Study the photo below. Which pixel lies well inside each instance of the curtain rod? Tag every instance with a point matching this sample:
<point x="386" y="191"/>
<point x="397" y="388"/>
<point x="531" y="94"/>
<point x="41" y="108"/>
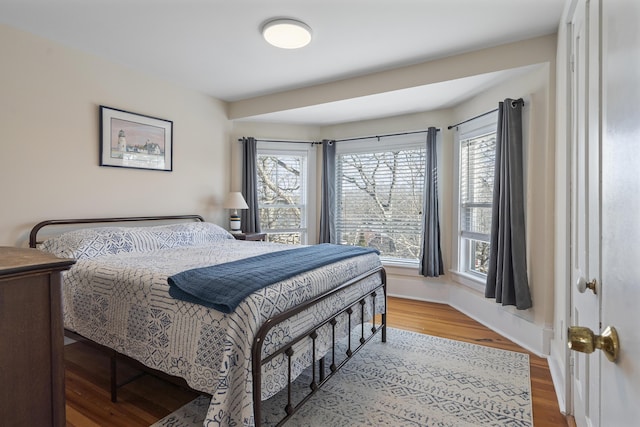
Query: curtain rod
<point x="483" y="114"/>
<point x="285" y="141"/>
<point x="382" y="136"/>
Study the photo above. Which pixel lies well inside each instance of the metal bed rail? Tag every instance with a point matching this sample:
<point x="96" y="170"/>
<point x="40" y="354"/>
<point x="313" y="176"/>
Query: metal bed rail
<point x="311" y="333"/>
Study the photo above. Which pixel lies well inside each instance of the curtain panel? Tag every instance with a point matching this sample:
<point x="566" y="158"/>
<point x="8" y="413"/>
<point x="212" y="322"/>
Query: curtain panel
<point x="507" y="280"/>
<point x="250" y="217"/>
<point x="431" y="264"/>
<point x="328" y="196"/>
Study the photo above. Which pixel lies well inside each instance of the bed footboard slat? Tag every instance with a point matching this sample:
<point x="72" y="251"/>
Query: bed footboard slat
<point x="258" y="361"/>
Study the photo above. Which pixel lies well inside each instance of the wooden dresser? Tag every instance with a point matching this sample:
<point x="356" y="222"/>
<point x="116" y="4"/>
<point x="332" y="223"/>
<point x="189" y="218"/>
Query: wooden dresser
<point x="31" y="338"/>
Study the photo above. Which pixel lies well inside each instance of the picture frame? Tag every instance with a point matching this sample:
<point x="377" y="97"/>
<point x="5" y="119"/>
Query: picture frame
<point x="137" y="141"/>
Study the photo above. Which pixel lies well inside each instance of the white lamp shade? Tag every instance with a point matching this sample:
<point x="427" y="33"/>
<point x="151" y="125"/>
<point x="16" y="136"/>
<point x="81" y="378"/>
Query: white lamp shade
<point x="234" y="200"/>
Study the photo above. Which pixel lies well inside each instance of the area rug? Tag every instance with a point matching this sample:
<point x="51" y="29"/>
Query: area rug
<point x="411" y="380"/>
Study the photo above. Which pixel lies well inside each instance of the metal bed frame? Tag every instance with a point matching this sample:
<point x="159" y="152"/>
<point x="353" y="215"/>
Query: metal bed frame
<point x="319" y="374"/>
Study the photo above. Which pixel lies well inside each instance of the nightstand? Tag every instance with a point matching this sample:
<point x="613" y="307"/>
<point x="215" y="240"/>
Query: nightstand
<point x="250" y="236"/>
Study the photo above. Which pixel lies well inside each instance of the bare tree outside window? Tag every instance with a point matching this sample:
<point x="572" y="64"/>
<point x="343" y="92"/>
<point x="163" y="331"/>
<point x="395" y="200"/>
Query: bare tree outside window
<point x="281" y="197"/>
<point x="380" y="200"/>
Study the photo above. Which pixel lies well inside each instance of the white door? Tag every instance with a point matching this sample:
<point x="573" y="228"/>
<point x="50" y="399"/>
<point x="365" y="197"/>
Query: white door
<point x="585" y="199"/>
<point x="620" y="381"/>
<point x="606" y="209"/>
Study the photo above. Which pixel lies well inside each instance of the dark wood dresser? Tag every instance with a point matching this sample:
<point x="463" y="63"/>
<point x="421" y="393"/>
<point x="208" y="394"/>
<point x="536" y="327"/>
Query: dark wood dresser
<point x="31" y="338"/>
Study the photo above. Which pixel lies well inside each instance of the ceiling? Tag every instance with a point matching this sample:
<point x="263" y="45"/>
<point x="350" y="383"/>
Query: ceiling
<point x="215" y="46"/>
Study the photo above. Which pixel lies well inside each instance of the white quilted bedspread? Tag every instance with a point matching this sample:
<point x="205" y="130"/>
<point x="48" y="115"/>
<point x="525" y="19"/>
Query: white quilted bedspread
<point x="122" y="301"/>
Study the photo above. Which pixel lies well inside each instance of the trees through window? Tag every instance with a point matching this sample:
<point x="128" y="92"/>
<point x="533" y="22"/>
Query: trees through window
<point x="283" y="192"/>
<point x="380" y="188"/>
<point x="476" y="153"/>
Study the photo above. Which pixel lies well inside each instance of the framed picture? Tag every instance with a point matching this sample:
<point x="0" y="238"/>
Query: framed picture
<point x="130" y="140"/>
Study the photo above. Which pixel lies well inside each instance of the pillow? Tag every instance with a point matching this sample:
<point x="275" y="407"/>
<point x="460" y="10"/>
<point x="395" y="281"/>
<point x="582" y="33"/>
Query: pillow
<point x="93" y="242"/>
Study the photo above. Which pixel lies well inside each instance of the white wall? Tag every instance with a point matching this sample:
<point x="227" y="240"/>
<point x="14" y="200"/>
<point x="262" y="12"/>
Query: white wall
<point x="271" y="131"/>
<point x="50" y="139"/>
<point x="530" y="328"/>
<point x="49" y="166"/>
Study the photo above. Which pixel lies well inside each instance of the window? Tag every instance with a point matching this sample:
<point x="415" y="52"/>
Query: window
<point x="476" y="152"/>
<point x="283" y="191"/>
<point x="379" y="190"/>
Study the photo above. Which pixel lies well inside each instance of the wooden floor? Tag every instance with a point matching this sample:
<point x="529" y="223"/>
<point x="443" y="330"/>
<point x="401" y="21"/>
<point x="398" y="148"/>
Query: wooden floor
<point x="149" y="399"/>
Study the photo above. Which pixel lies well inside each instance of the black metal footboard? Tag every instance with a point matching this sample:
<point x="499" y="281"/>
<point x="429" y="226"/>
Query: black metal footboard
<point x="318" y="376"/>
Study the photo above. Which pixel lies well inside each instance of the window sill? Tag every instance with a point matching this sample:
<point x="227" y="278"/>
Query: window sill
<point x="469" y="280"/>
<point x="406" y="268"/>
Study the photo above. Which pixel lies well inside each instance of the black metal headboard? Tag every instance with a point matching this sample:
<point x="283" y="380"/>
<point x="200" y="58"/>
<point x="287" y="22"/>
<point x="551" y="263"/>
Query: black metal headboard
<point x="33" y="241"/>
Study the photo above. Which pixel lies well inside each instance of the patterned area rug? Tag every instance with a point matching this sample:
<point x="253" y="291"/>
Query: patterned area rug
<point x="412" y="380"/>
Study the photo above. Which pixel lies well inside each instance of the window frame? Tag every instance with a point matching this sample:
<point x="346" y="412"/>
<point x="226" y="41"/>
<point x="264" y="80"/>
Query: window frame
<point x="462" y="240"/>
<point x="369" y="145"/>
<point x="309" y="233"/>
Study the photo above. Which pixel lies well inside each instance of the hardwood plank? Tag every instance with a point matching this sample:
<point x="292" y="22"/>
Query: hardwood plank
<point x="148" y="399"/>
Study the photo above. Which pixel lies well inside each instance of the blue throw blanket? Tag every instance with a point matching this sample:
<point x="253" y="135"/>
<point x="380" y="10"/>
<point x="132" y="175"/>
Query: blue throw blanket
<point x="224" y="286"/>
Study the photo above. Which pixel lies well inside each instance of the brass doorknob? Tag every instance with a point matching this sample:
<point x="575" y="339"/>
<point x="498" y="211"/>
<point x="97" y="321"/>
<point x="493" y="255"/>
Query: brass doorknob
<point x="585" y="341"/>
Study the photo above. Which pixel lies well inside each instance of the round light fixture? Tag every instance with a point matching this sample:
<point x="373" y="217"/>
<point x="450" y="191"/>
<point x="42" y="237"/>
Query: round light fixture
<point x="287" y="33"/>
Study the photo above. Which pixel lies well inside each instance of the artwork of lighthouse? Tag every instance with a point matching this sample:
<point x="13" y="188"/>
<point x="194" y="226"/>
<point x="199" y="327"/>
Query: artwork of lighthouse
<point x="135" y="141"/>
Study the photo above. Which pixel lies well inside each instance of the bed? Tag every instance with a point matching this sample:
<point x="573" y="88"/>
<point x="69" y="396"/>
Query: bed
<point x="127" y="293"/>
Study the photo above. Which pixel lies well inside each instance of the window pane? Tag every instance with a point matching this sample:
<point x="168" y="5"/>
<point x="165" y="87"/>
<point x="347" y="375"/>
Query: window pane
<point x="380" y="200"/>
<point x="280" y="218"/>
<point x="477" y="162"/>
<point x="476" y="219"/>
<point x="279" y="179"/>
<point x="479" y="259"/>
<point x="282" y="196"/>
<point x="294" y="238"/>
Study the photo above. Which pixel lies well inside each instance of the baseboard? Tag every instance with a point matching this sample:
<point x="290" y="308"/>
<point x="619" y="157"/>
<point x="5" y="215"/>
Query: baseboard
<point x="503" y="320"/>
<point x="506" y="321"/>
<point x="559" y="377"/>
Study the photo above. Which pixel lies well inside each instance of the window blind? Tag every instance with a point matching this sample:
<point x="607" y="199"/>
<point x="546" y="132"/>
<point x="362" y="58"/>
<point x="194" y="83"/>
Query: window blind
<point x="380" y="198"/>
<point x="477" y="163"/>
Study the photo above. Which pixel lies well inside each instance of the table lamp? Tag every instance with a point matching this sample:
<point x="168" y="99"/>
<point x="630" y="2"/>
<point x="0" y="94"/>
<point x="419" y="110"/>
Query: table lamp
<point x="235" y="201"/>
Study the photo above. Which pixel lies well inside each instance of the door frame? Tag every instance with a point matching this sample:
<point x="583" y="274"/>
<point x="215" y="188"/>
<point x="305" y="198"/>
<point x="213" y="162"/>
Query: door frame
<point x="592" y="138"/>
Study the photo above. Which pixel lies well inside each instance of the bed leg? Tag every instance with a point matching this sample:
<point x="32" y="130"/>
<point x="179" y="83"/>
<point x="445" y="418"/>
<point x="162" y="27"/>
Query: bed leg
<point x="384" y="327"/>
<point x="114" y="379"/>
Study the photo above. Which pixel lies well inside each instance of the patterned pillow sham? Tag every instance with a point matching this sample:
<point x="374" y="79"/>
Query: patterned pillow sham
<point x="93" y="242"/>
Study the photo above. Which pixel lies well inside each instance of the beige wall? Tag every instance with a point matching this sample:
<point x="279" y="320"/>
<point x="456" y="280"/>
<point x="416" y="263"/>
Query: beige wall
<point x="49" y="162"/>
<point x="50" y="140"/>
<point x="536" y="84"/>
<point x="537" y="88"/>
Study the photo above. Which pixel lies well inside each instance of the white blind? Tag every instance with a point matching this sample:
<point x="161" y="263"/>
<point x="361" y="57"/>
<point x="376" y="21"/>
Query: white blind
<point x="477" y="163"/>
<point x="380" y="197"/>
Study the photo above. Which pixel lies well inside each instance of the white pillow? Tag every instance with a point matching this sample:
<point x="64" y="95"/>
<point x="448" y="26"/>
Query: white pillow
<point x="93" y="242"/>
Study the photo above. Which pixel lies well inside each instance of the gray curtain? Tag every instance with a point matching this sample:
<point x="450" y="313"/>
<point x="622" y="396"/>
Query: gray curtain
<point x="250" y="217"/>
<point x="328" y="197"/>
<point x="431" y="261"/>
<point x="507" y="276"/>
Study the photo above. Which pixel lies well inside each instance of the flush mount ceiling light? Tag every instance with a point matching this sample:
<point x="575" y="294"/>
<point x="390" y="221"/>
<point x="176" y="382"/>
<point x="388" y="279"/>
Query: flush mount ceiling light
<point x="287" y="33"/>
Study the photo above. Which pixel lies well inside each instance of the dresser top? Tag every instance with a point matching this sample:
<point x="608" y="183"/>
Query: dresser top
<point x="18" y="260"/>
